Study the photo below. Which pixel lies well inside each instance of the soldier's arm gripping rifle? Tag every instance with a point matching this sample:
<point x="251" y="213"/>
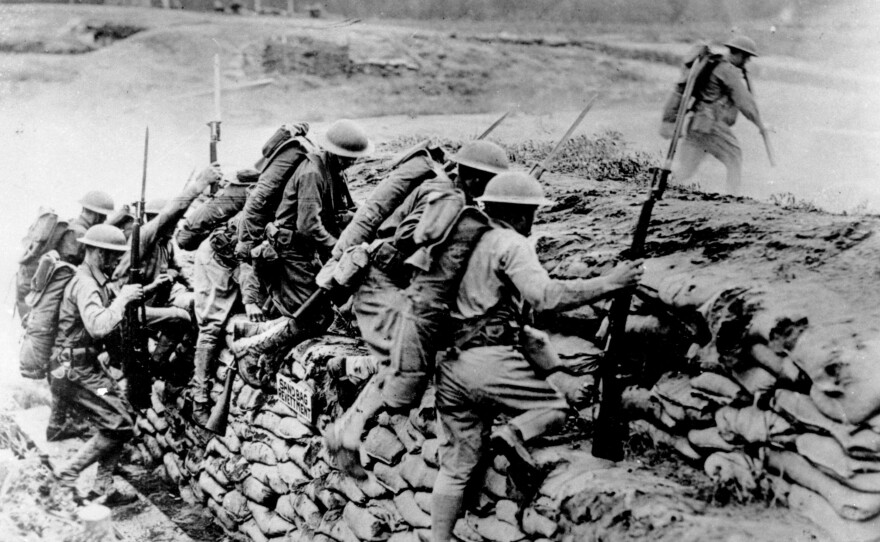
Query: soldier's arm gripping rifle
<point x="135" y="364"/>
<point x="610" y="429"/>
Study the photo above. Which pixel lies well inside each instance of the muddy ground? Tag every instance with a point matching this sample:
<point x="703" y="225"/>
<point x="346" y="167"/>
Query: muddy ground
<point x="78" y="84"/>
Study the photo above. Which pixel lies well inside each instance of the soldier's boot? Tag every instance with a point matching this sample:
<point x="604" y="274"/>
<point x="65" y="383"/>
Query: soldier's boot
<point x="252" y="352"/>
<point x="91" y="451"/>
<point x="343" y="436"/>
<point x="201" y="402"/>
<point x="111" y="493"/>
<point x="445" y="509"/>
<point x="244" y="328"/>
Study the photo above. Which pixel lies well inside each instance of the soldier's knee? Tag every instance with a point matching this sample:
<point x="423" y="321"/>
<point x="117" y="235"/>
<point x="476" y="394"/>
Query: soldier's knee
<point x="403" y="388"/>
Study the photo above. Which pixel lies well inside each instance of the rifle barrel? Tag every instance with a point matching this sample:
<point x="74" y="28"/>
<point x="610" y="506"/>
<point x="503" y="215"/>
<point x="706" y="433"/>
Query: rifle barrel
<point x="538" y="169"/>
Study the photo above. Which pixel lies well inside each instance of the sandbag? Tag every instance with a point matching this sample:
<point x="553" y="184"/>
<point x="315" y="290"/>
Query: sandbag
<point x="848" y="503"/>
<point x="366" y="524"/>
<point x="145" y="426"/>
<point x="389" y="513"/>
<point x="172" y="467"/>
<point x="269" y="522"/>
<point x="718" y="389"/>
<point x="781" y="366"/>
<point x="410" y="510"/>
<point x="226" y="520"/>
<point x="258" y="452"/>
<point x="723" y="467"/>
<point x="231" y="441"/>
<point x="756" y="380"/>
<point x="813" y="506"/>
<point x="345" y="485"/>
<point x="535" y="524"/>
<point x="500" y="485"/>
<point x="236" y="469"/>
<point x="252" y="531"/>
<point x="157" y="421"/>
<point x="417" y="473"/>
<point x="408" y="435"/>
<point x="423" y="499"/>
<point x="293" y="506"/>
<point x="383" y="445"/>
<point x="214" y="467"/>
<point x="216" y="447"/>
<point x="257" y="491"/>
<point x="155" y="450"/>
<point x="390" y="478"/>
<point x="709" y="438"/>
<point x="827" y="452"/>
<point x="330" y="500"/>
<point x="211" y="487"/>
<point x="371" y="487"/>
<point x="495" y="530"/>
<point x="292" y="475"/>
<point x="658" y="436"/>
<point x="297" y="454"/>
<point x="750" y="424"/>
<point x="679" y="401"/>
<point x="236" y="505"/>
<point x="268" y="475"/>
<point x="506" y="510"/>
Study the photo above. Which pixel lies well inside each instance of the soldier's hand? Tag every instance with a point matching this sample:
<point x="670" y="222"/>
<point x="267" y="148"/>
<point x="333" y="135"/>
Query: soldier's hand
<point x="626" y="274"/>
<point x="131" y="292"/>
<point x="254" y="313"/>
<point x="210" y="175"/>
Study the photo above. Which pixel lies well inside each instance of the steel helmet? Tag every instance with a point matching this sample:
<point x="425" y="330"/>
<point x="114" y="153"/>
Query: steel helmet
<point x="482" y="155"/>
<point x="98" y="202"/>
<point x="105" y="236"/>
<point x="744" y="44"/>
<point x="514" y="187"/>
<point x="346" y="138"/>
<point x="155" y="206"/>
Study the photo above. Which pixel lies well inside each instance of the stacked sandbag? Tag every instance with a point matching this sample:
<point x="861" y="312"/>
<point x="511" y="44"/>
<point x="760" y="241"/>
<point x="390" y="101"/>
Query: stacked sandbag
<point x="775" y="391"/>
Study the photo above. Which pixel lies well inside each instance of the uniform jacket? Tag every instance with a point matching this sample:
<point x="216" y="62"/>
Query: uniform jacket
<point x="212" y="214"/>
<point x="726" y="93"/>
<point x="86" y="315"/>
<point x="298" y="194"/>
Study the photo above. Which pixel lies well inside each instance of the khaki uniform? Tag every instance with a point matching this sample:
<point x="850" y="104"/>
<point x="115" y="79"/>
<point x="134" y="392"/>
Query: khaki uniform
<point x="87" y="319"/>
<point x="725" y="94"/>
<point x="294" y="206"/>
<point x="487" y="374"/>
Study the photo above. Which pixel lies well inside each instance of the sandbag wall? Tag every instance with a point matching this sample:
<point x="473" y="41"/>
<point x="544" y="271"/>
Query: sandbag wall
<point x="270" y="478"/>
<point x="775" y="390"/>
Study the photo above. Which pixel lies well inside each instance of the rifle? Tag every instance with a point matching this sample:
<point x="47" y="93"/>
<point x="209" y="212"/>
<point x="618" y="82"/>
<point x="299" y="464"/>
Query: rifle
<point x="539" y="169"/>
<point x="767" y="146"/>
<point x="219" y="418"/>
<point x="610" y="430"/>
<point x="135" y="337"/>
<point x="214" y="125"/>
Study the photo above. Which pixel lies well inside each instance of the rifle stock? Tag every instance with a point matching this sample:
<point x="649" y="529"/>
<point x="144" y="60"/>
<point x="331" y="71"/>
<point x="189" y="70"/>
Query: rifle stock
<point x="611" y="429"/>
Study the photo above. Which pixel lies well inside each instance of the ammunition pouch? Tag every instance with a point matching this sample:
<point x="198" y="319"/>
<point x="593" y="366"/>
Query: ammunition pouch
<point x="388" y="259"/>
<point x="223" y="244"/>
<point x="280" y="238"/>
<point x="264" y="252"/>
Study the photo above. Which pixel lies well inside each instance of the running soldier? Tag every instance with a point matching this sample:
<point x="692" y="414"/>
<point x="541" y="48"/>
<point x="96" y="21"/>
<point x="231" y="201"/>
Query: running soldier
<point x="88" y="324"/>
<point x="486" y="373"/>
<point x="725" y="93"/>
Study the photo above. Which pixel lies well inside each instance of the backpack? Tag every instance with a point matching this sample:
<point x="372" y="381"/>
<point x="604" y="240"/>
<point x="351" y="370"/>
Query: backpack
<point x="42" y="236"/>
<point x="41" y="326"/>
<point x="670" y="110"/>
<point x="285" y="135"/>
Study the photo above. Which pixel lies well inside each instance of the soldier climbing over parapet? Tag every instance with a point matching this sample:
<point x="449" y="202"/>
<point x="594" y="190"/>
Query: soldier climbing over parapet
<point x="219" y="281"/>
<point x="487" y="373"/>
<point x="290" y="223"/>
<point x="721" y="91"/>
<point x="402" y="310"/>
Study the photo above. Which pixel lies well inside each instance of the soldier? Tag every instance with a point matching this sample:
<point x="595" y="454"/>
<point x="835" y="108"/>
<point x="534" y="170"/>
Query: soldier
<point x="290" y="224"/>
<point x="415" y="312"/>
<point x="725" y="92"/>
<point x="87" y="319"/>
<point x="486" y="373"/>
<point x="217" y="277"/>
<point x="96" y="205"/>
<point x="167" y="315"/>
